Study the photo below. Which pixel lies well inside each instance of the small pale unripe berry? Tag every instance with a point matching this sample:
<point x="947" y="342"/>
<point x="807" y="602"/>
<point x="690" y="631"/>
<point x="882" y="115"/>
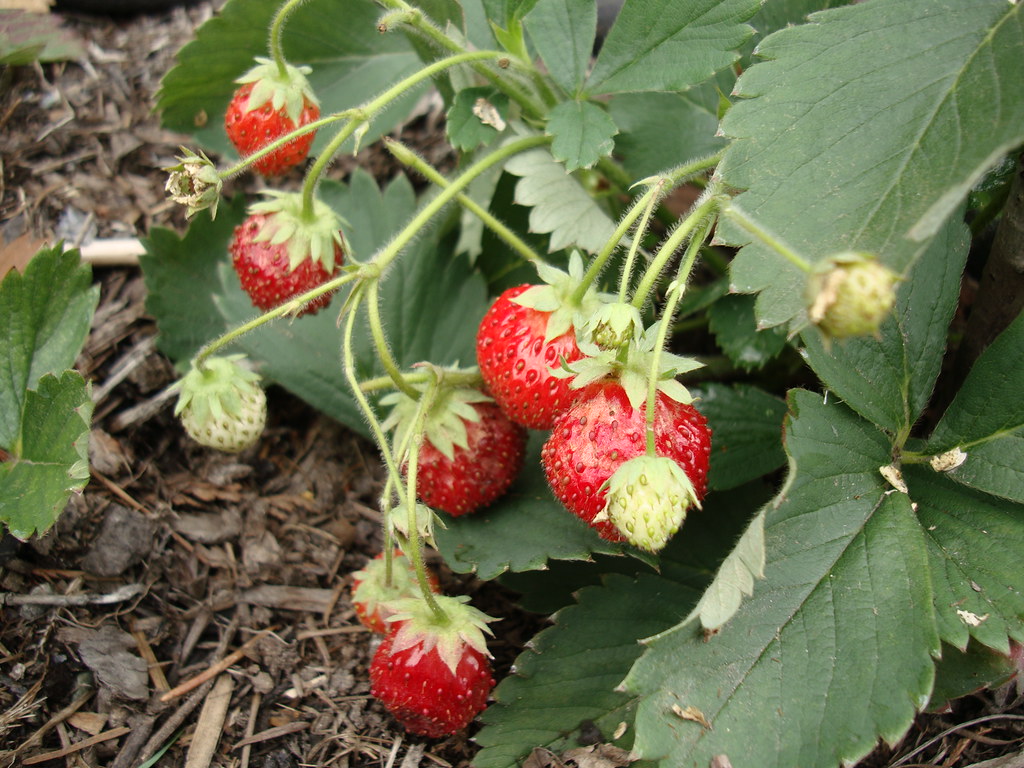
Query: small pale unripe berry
<point x="648" y="498"/>
<point x="613" y="325"/>
<point x="850" y="294"/>
<point x="221" y="405"/>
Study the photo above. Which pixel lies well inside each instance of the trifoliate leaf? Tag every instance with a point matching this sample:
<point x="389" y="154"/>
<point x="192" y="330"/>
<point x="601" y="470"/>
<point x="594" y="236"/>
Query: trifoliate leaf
<point x="834" y="158"/>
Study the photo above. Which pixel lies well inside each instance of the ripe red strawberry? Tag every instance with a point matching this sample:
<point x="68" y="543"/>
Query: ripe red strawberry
<point x="267" y="106"/>
<point x="279" y="254"/>
<point x="373" y="597"/>
<point x="433" y="676"/>
<point x="471" y="452"/>
<point x="516" y="359"/>
<point x="601" y="431"/>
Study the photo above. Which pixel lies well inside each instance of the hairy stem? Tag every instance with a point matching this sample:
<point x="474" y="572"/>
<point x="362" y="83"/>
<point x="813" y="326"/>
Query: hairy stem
<point x="276" y="27"/>
<point x="410" y="159"/>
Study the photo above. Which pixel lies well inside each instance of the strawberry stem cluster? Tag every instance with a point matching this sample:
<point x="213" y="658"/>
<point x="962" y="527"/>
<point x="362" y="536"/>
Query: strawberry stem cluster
<point x="626" y="452"/>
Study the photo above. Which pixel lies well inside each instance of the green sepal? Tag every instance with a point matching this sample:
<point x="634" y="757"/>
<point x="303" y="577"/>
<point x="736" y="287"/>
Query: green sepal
<point x="214" y="389"/>
<point x="460" y="625"/>
<point x="445" y="424"/>
<point x="288" y="90"/>
<point x="313" y="237"/>
<point x="557" y="297"/>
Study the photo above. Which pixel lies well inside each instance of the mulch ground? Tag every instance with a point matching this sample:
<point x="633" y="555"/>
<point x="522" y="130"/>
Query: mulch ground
<point x="198" y="602"/>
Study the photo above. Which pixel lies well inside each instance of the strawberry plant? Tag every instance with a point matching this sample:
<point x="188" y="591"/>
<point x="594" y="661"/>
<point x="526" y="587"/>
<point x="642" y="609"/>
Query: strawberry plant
<point x="45" y="405"/>
<point x="719" y="269"/>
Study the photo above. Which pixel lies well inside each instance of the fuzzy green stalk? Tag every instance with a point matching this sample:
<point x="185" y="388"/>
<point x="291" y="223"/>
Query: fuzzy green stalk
<point x="738" y="216"/>
<point x="668" y="311"/>
<point x="651" y="196"/>
<point x="276" y="27"/>
<point x="384" y="257"/>
<point x="415" y="552"/>
<point x="660" y="185"/>
<point x="348" y="360"/>
<point x="372" y="270"/>
<point x="292" y="305"/>
<point x="412" y="160"/>
<point x="414" y="17"/>
<point x="453" y="378"/>
<point x="275" y="145"/>
<point x="380" y="341"/>
<point x="679" y="236"/>
<point x="362" y="115"/>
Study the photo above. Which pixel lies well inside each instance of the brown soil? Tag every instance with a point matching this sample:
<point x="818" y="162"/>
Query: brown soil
<point x="177" y="559"/>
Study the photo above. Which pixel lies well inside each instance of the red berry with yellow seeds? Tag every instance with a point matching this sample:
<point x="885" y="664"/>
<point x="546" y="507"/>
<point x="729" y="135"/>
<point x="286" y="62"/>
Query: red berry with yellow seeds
<point x="279" y="253"/>
<point x="433" y="675"/>
<point x="470" y="453"/>
<point x="602" y="430"/>
<point x="270" y="103"/>
<point x="524" y="339"/>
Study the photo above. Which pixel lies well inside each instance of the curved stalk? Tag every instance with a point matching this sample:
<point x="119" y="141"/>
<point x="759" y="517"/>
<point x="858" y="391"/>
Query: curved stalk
<point x="362" y="115"/>
<point x="737" y="215"/>
<point x="380" y="342"/>
<point x="411" y="160"/>
<point x="679" y="236"/>
<point x="276" y="27"/>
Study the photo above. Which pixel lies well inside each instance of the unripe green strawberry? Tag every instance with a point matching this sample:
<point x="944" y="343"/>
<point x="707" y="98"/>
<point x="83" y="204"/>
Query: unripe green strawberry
<point x="850" y="294"/>
<point x="648" y="498"/>
<point x="221" y="405"/>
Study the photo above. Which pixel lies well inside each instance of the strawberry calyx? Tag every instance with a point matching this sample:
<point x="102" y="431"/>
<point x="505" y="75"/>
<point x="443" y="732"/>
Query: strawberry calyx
<point x="214" y="388"/>
<point x="449" y="629"/>
<point x="445" y="423"/>
<point x="557" y="297"/>
<point x="195" y="183"/>
<point x="373" y="595"/>
<point x="396" y="520"/>
<point x="284" y="87"/>
<point x="647" y="500"/>
<point x="220" y="403"/>
<point x="632" y="364"/>
<point x="307" y="234"/>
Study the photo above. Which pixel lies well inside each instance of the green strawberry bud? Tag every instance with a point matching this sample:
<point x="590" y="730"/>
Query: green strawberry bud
<point x="221" y="405"/>
<point x="613" y="325"/>
<point x="194" y="183"/>
<point x="648" y="498"/>
<point x="850" y="294"/>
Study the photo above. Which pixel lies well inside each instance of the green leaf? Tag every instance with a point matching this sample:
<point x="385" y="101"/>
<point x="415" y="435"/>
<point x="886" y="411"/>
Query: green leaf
<point x="657" y="45"/>
<point x="521" y="531"/>
<point x="560" y="207"/>
<point x="351" y="63"/>
<point x="53" y="460"/>
<point x="986" y="420"/>
<point x="974" y="543"/>
<point x="989" y="404"/>
<point x="304" y="355"/>
<point x="889" y="380"/>
<point x="583" y="134"/>
<point x="959" y="673"/>
<point x="746" y="432"/>
<point x="44" y="319"/>
<point x="658" y="131"/>
<point x="465" y="124"/>
<point x="779" y="14"/>
<point x="735" y="328"/>
<point x="569" y="675"/>
<point x="563" y="33"/>
<point x="834" y="158"/>
<point x="834" y="649"/>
